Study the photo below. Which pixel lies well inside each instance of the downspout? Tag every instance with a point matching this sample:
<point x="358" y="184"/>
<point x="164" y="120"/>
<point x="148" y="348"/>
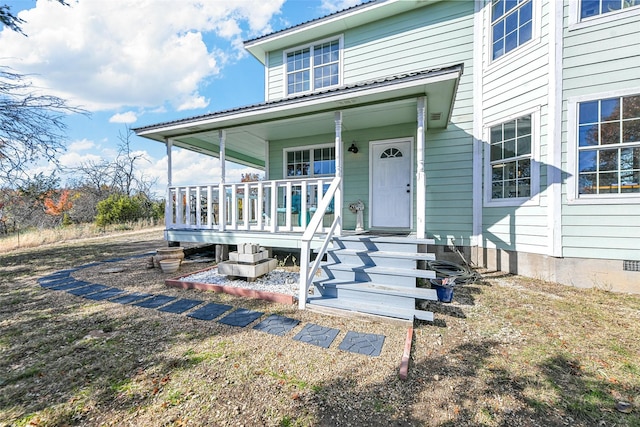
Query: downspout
<point x="339" y="171"/>
<point x="421" y="179"/>
<point x="222" y="208"/>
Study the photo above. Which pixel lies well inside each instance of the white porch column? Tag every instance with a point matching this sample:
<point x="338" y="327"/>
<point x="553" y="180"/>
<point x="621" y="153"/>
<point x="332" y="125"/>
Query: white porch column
<point x="421" y="181"/>
<point x="339" y="171"/>
<point x="222" y="205"/>
<point x="168" y="206"/>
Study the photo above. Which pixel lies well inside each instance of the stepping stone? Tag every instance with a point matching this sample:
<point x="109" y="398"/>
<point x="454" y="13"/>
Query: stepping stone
<point x="241" y="317"/>
<point x="86" y="290"/>
<point x="106" y="294"/>
<point x="209" y="311"/>
<point x="91" y="264"/>
<point x="56" y="282"/>
<point x="317" y="335"/>
<point x="369" y="344"/>
<point x="53" y="277"/>
<point x="277" y="325"/>
<point x="128" y="299"/>
<point x="155" y="302"/>
<point x="69" y="285"/>
<point x="181" y="306"/>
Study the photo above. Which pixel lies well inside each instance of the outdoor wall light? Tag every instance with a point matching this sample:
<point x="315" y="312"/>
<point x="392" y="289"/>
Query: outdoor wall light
<point x="353" y="149"/>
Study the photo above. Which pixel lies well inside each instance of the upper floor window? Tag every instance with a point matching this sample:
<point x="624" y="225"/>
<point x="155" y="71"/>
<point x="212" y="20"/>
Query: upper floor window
<point x="609" y="146"/>
<point x="311" y="162"/>
<point x="511" y="25"/>
<point x="511" y="159"/>
<point x="314" y="67"/>
<point x="598" y="7"/>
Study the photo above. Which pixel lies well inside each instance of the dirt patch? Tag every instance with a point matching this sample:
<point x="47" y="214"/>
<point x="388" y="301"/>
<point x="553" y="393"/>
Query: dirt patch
<point x="507" y="351"/>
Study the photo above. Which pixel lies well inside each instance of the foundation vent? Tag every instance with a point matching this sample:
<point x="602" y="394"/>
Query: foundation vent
<point x="631" y="265"/>
<point x="435" y="116"/>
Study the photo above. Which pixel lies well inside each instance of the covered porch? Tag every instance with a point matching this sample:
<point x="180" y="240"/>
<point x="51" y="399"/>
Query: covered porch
<point x="307" y="208"/>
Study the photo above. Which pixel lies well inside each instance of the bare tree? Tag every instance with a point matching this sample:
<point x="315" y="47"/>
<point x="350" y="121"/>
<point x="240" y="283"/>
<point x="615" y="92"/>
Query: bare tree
<point x="12" y="21"/>
<point x="31" y="126"/>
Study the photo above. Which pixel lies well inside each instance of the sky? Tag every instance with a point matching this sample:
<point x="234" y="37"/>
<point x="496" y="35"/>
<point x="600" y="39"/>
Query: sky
<point x="133" y="63"/>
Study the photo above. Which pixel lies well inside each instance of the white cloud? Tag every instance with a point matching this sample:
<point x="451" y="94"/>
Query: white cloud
<point x="81" y="145"/>
<point x="108" y="54"/>
<point x="335" y="5"/>
<point x="128" y="117"/>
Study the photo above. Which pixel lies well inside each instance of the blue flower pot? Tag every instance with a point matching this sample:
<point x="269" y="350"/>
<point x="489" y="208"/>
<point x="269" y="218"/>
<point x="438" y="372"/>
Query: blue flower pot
<point x="445" y="292"/>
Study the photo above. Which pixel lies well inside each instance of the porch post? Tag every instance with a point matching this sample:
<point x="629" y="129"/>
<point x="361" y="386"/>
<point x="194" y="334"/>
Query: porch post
<point x="421" y="184"/>
<point x="168" y="206"/>
<point x="339" y="171"/>
<point x="222" y="208"/>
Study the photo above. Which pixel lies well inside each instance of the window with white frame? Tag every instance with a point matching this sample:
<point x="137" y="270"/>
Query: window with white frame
<point x="511" y="25"/>
<point x="308" y="162"/>
<point x="511" y="159"/>
<point x="609" y="146"/>
<point x="590" y="8"/>
<point x="314" y="67"/>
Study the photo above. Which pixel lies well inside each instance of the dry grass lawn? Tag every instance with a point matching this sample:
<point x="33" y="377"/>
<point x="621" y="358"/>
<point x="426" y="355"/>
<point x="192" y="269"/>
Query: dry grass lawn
<point x="508" y="351"/>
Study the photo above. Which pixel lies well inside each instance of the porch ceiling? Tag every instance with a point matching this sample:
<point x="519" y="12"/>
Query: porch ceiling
<point x="248" y="129"/>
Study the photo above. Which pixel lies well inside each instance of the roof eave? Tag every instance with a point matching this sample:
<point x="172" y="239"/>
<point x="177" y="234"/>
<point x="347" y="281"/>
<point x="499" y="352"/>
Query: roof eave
<point x="335" y="23"/>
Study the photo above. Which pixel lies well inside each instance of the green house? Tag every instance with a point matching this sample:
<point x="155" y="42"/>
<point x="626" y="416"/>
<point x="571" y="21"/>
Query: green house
<point x="507" y="130"/>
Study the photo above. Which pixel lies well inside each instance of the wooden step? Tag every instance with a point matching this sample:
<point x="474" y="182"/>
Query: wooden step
<point x="377" y="288"/>
<point x="404" y="272"/>
<point x="386" y="239"/>
<point x="418" y="256"/>
<point x="376" y="309"/>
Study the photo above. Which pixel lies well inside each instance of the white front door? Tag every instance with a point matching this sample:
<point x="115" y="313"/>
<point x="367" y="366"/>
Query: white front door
<point x="391" y="183"/>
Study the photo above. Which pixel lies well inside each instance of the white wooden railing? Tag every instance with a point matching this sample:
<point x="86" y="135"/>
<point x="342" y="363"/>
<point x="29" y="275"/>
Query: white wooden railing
<point x="269" y="206"/>
<point x="307" y="274"/>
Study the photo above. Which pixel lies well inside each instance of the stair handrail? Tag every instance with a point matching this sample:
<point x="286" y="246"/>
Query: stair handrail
<point x="306" y="274"/>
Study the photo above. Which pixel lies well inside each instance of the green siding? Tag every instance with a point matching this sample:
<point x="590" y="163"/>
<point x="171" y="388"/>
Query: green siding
<point x="513" y="84"/>
<point x="431" y="37"/>
<point x="599" y="58"/>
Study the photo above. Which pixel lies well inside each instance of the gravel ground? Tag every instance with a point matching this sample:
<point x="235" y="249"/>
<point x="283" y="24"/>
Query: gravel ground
<point x="277" y="281"/>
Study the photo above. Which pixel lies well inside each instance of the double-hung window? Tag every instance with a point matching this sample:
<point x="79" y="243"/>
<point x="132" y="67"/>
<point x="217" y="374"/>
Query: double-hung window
<point x="590" y="8"/>
<point x="609" y="146"/>
<point x="511" y="159"/>
<point x="313" y="68"/>
<point x="511" y="25"/>
<point x="308" y="162"/>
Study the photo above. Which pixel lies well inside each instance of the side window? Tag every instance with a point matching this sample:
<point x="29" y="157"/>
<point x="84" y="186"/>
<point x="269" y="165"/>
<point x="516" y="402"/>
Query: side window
<point x="608" y="157"/>
<point x="511" y="25"/>
<point x="590" y="8"/>
<point x="511" y="159"/>
<point x="309" y="162"/>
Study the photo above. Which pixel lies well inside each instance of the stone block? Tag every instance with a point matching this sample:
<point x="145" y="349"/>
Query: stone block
<point x="248" y="258"/>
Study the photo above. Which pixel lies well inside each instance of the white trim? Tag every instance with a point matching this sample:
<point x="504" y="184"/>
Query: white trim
<point x="534" y="198"/>
<point x="520" y="51"/>
<point x="576" y="24"/>
<point x="411" y="148"/>
<point x="266" y="75"/>
<point x="236" y="119"/>
<point x="554" y="131"/>
<point x="573" y="198"/>
<point x="478" y="101"/>
<point x="285" y="86"/>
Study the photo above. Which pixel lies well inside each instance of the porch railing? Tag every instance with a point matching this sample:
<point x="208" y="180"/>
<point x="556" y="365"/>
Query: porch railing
<point x="307" y="274"/>
<point x="269" y="206"/>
